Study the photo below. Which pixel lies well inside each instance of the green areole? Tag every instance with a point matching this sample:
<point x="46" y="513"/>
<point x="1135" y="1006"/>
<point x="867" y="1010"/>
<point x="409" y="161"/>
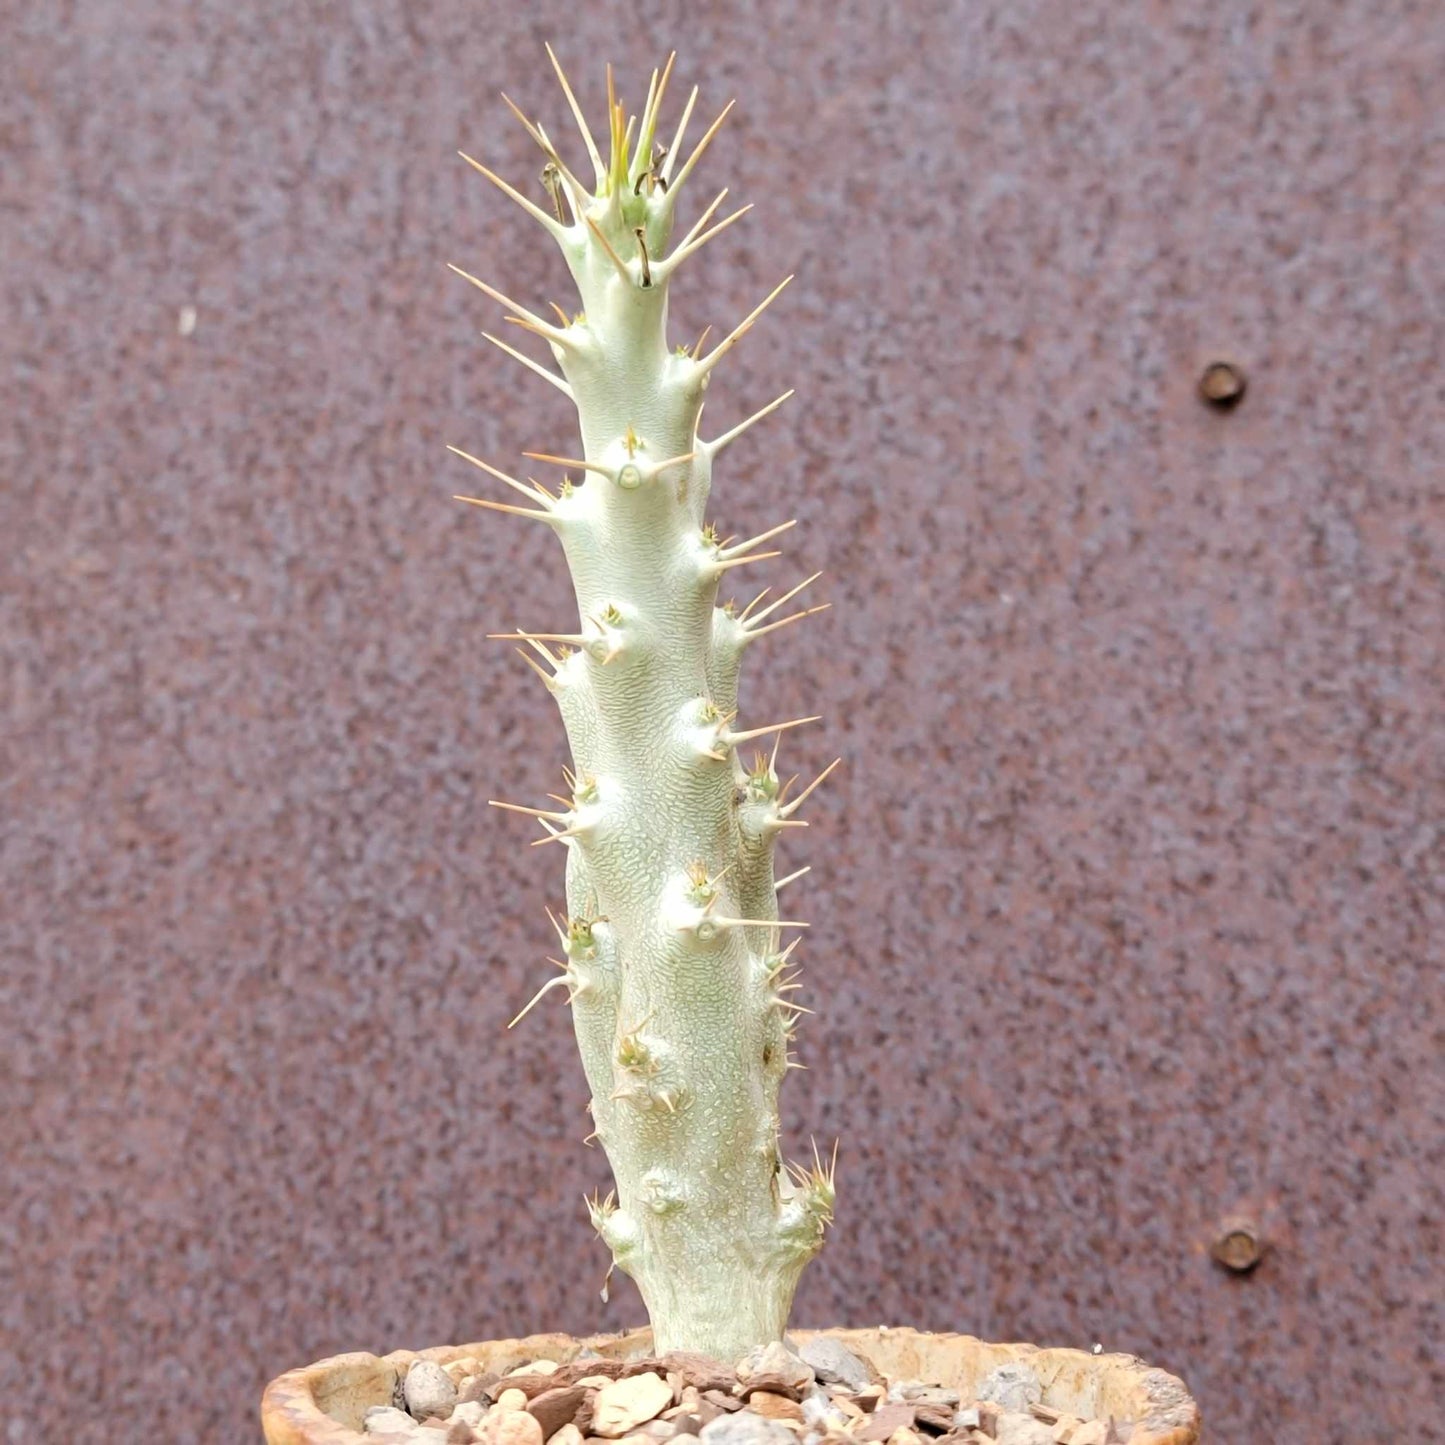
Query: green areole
<point x="673" y="962"/>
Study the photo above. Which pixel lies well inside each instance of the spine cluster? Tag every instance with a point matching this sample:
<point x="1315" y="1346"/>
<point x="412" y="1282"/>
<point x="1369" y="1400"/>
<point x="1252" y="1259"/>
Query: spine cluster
<point x="672" y="953"/>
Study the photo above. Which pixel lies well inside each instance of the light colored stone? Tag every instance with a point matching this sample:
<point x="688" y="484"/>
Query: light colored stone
<point x="387" y="1420"/>
<point x="774" y="1407"/>
<point x="915" y="1392"/>
<point x="470" y="1412"/>
<point x="745" y="1428"/>
<point x="509" y="1427"/>
<point x="535" y="1367"/>
<point x="1015" y="1387"/>
<point x="622" y="1405"/>
<point x="835" y="1362"/>
<point x="968" y="1419"/>
<point x="512" y="1399"/>
<point x="820" y="1412"/>
<point x="1016" y="1428"/>
<point x="595" y="1382"/>
<point x="429" y="1390"/>
<point x="569" y="1434"/>
<point x="778" y="1362"/>
<point x="904" y="1436"/>
<point x="1091" y="1432"/>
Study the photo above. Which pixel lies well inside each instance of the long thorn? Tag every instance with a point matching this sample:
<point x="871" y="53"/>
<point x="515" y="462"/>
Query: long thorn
<point x="683" y="252"/>
<point x="676" y="146"/>
<point x="702" y="145"/>
<point x="612" y="255"/>
<point x="576" y="639"/>
<point x="677" y="461"/>
<point x="651" y="113"/>
<point x="738" y="332"/>
<point x="743" y="615"/>
<point x="731" y="436"/>
<point x="762" y="537"/>
<point x="702" y="220"/>
<point x="787" y="596"/>
<point x="719" y="567"/>
<point x="536" y="999"/>
<point x="783" y="882"/>
<point x="562" y="932"/>
<point x="545" y="327"/>
<point x="792" y="807"/>
<point x="505" y="507"/>
<point x="547" y="680"/>
<point x="772" y="728"/>
<point x="491" y="471"/>
<point x="578" y="116"/>
<point x="577" y="193"/>
<point x="784" y="621"/>
<point x="559" y="382"/>
<point x="530" y="812"/>
<point x="540" y="647"/>
<point x="761" y="923"/>
<point x="568" y="462"/>
<point x="550" y="223"/>
<point x="642" y="128"/>
<point x="548" y="149"/>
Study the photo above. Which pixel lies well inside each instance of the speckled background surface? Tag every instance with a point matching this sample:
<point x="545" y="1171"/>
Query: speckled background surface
<point x="1127" y="905"/>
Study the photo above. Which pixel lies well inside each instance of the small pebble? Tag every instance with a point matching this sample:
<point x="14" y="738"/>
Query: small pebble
<point x="429" y="1390"/>
<point x="1016" y="1428"/>
<point x="835" y="1363"/>
<point x="556" y="1408"/>
<point x="469" y="1412"/>
<point x="967" y="1419"/>
<point x="569" y="1434"/>
<point x="1015" y="1387"/>
<point x="512" y="1400"/>
<point x="1091" y="1432"/>
<point x="386" y="1420"/>
<point x="820" y="1413"/>
<point x="745" y="1428"/>
<point x="775" y="1362"/>
<point x="509" y="1427"/>
<point x="774" y="1407"/>
<point x="625" y="1404"/>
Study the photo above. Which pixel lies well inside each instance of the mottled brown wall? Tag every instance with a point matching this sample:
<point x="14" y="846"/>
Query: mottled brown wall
<point x="1127" y="905"/>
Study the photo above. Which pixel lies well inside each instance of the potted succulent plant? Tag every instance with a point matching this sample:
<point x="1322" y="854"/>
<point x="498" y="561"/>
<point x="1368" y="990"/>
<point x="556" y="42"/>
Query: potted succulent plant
<point x="674" y="959"/>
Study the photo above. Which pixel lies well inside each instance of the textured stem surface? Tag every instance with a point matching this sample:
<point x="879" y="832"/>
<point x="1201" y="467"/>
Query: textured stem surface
<point x="673" y="960"/>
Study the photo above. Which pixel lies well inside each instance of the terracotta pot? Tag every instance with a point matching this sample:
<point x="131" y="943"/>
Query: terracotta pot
<point x="322" y="1404"/>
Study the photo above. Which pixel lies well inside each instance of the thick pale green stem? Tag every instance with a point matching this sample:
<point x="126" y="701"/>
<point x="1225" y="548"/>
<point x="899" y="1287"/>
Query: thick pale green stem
<point x="673" y="956"/>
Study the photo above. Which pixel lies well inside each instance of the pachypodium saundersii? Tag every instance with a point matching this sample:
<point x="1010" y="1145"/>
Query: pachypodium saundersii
<point x="673" y="958"/>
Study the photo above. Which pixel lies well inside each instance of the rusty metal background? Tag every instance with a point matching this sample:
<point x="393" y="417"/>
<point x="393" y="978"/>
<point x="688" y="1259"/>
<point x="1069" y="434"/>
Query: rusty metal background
<point x="1127" y="905"/>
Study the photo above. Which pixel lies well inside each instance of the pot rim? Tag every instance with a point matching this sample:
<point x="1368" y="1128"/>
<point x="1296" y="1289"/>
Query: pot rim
<point x="293" y="1407"/>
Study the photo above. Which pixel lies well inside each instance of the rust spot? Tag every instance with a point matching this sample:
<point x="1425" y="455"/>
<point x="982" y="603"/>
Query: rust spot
<point x="1222" y="385"/>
